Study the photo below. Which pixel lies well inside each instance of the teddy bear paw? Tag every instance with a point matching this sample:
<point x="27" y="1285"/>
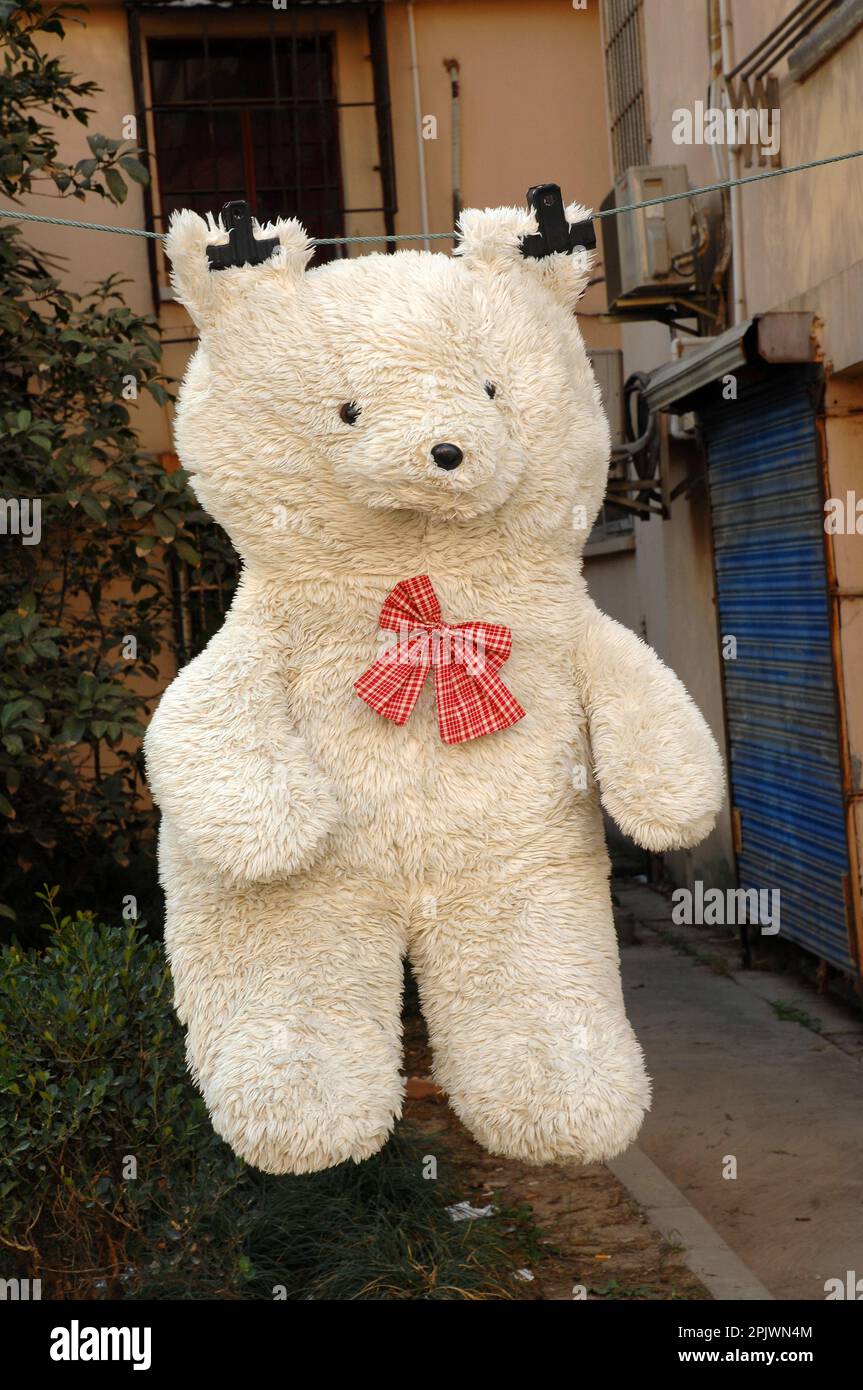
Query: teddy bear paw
<point x="267" y="833"/>
<point x="555" y="1100"/>
<point x="298" y="1106"/>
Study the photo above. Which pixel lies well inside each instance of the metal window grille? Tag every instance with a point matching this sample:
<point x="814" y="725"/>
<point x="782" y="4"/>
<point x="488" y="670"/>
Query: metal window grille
<point x="201" y="596"/>
<point x="607" y="365"/>
<point x="630" y="140"/>
<point x="251" y="118"/>
<point x="255" y="116"/>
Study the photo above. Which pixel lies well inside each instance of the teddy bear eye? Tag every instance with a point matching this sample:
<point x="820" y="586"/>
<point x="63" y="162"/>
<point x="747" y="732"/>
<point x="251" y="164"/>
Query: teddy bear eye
<point x="350" y="412"/>
<point x="490" y="390"/>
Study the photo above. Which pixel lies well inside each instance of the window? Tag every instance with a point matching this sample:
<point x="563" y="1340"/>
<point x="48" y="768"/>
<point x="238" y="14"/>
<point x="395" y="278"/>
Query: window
<point x="630" y="139"/>
<point x="288" y="110"/>
<point x="202" y="596"/>
<point x="252" y="118"/>
<point x="613" y="521"/>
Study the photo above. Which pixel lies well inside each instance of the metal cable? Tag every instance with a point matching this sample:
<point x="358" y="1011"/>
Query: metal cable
<point x="449" y="236"/>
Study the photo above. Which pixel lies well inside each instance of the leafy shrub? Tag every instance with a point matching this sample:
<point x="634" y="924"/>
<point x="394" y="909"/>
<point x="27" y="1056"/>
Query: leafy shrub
<point x="92" y="1074"/>
<point x="113" y="523"/>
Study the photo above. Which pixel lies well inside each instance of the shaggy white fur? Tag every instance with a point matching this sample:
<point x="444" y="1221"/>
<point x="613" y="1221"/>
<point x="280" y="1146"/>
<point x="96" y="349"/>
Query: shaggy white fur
<point x="308" y="843"/>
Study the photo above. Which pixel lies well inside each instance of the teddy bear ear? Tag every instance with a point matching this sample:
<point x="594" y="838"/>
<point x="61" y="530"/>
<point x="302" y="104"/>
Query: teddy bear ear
<point x="204" y="291"/>
<point x="491" y="242"/>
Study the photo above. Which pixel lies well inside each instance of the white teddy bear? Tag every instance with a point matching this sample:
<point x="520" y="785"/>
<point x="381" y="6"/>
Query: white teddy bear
<point x="401" y="442"/>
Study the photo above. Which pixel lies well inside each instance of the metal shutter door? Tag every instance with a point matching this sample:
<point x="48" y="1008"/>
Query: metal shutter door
<point x="783" y="733"/>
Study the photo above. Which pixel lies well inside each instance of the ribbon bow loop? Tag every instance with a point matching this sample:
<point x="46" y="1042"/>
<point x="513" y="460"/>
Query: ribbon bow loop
<point x="412" y="601"/>
<point x="472" y="700"/>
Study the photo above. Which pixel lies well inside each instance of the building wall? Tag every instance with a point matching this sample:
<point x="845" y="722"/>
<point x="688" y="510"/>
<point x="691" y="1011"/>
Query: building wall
<point x="803" y="244"/>
<point x="676" y="609"/>
<point x="804" y="234"/>
<point x="98" y="50"/>
<point x="532" y="110"/>
<point x="844" y="445"/>
<point x="803" y="248"/>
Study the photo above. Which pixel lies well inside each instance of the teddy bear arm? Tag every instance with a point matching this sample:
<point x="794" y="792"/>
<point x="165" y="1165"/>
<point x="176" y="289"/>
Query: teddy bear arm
<point x="658" y="767"/>
<point x="229" y="772"/>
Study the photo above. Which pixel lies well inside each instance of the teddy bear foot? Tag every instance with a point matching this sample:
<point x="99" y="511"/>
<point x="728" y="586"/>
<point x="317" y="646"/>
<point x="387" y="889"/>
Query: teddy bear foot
<point x="305" y="1111"/>
<point x="544" y="1106"/>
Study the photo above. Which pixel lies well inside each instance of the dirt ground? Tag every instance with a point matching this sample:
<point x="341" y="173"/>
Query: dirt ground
<point x="571" y="1228"/>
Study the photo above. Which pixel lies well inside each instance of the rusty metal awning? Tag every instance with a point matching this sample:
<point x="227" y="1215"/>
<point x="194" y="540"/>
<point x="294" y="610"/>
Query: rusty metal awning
<point x="771" y="338"/>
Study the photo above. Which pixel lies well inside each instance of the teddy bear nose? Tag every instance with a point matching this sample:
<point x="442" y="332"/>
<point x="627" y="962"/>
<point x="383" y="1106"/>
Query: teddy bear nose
<point x="447" y="455"/>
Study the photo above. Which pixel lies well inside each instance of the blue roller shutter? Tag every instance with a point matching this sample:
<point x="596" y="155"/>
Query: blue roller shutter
<point x="783" y="733"/>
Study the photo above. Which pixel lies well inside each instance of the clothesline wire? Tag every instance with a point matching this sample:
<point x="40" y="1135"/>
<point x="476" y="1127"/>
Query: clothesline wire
<point x="22" y="216"/>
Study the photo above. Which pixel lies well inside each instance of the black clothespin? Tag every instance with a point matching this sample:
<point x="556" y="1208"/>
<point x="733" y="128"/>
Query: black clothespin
<point x="243" y="247"/>
<point x="555" y="233"/>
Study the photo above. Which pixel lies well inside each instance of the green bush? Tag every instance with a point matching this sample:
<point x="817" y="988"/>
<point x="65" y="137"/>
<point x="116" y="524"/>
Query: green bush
<point x="86" y="611"/>
<point x="92" y="1075"/>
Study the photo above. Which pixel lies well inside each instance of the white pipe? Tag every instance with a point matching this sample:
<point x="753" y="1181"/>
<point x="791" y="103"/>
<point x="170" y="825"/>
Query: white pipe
<point x="737" y="267"/>
<point x="418" y="119"/>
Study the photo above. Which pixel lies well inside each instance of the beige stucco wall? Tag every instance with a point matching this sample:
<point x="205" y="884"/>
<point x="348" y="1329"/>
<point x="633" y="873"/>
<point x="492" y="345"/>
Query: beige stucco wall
<point x="804" y="234"/>
<point x="844" y="429"/>
<point x="532" y="109"/>
<point x="98" y="50"/>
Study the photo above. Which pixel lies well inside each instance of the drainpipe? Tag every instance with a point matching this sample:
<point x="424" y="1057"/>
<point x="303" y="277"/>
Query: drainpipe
<point x="452" y="67"/>
<point x="739" y="280"/>
<point x="721" y="157"/>
<point x="418" y="121"/>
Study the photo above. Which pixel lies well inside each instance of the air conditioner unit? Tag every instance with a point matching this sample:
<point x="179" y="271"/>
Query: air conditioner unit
<point x="650" y="268"/>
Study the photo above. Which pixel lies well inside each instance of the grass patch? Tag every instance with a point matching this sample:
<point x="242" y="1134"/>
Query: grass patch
<point x="372" y="1231"/>
<point x="719" y="964"/>
<point x="791" y="1013"/>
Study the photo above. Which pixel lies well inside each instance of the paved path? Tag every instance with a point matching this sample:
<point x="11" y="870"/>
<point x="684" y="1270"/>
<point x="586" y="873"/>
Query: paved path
<point x="733" y="1080"/>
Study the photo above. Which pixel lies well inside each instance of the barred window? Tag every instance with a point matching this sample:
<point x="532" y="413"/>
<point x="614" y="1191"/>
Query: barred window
<point x="240" y="101"/>
<point x="248" y="118"/>
<point x="630" y="138"/>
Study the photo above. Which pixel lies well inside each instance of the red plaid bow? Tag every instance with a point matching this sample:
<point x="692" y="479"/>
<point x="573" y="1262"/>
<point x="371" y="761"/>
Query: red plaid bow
<point x="472" y="700"/>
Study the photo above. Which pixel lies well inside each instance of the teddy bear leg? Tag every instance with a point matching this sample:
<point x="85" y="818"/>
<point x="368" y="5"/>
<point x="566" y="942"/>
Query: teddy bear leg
<point x="519" y="983"/>
<point x="291" y="993"/>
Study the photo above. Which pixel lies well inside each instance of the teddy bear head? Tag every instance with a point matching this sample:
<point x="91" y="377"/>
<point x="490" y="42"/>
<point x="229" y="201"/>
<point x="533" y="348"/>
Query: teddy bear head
<point x="367" y="404"/>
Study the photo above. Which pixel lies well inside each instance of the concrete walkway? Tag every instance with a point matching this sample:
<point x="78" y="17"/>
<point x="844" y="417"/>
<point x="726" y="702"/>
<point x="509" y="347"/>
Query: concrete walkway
<point x="740" y="1074"/>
